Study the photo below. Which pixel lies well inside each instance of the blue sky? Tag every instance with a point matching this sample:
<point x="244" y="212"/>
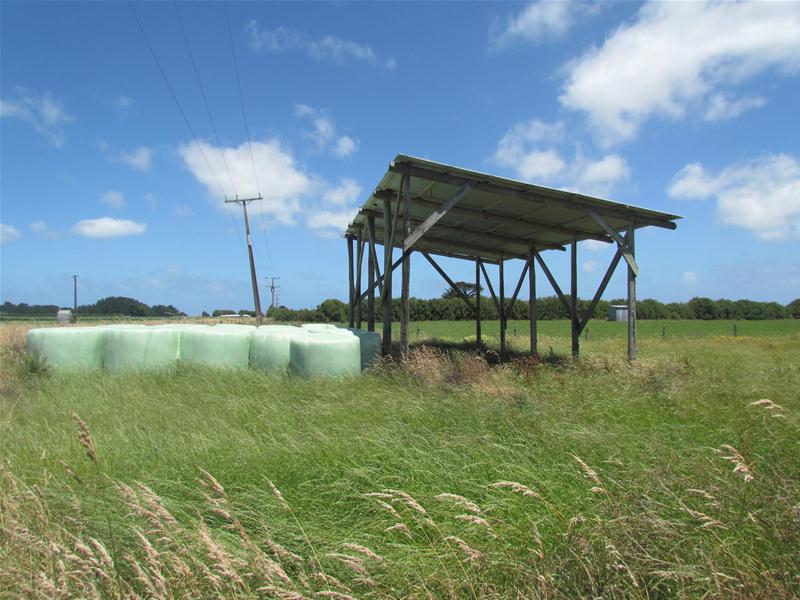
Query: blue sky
<point x="689" y="108"/>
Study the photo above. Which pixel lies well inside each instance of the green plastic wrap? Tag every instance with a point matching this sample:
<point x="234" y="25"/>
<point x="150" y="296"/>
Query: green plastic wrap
<point x="269" y="347"/>
<point x="370" y="343"/>
<point x="325" y="354"/>
<point x="68" y="348"/>
<point x="320" y="327"/>
<point x="141" y="348"/>
<point x="218" y="346"/>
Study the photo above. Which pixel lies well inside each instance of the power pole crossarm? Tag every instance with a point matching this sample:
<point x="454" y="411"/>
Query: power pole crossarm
<point x="256" y="299"/>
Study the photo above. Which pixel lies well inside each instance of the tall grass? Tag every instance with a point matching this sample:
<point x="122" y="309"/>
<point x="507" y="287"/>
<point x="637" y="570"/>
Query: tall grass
<point x="678" y="476"/>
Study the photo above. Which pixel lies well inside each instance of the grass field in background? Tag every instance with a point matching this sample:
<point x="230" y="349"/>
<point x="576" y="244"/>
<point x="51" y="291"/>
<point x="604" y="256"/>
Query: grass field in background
<point x="677" y="476"/>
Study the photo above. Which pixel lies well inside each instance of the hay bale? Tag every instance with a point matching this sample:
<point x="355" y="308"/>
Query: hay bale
<point x="218" y="346"/>
<point x="325" y="354"/>
<point x="370" y="343"/>
<point x="141" y="348"/>
<point x="68" y="348"/>
<point x="269" y="347"/>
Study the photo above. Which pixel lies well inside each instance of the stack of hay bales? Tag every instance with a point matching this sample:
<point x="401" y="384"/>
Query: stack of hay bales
<point x="315" y="350"/>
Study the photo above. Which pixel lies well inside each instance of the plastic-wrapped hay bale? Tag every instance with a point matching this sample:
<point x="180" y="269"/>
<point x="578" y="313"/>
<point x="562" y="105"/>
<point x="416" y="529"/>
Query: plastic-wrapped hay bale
<point x="320" y="327"/>
<point x="269" y="347"/>
<point x="141" y="348"/>
<point x="218" y="346"/>
<point x="68" y="348"/>
<point x="370" y="342"/>
<point x="325" y="354"/>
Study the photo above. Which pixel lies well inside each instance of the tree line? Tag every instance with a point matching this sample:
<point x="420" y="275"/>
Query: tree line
<point x="110" y="306"/>
<point x="450" y="307"/>
<point x="549" y="308"/>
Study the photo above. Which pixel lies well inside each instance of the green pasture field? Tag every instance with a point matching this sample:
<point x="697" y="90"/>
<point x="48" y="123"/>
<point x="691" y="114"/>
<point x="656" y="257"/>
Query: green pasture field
<point x="677" y="476"/>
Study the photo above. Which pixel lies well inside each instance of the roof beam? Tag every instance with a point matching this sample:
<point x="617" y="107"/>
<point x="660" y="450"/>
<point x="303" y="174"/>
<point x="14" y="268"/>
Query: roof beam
<point x="467" y="248"/>
<point x="539" y="196"/>
<point x="474" y="213"/>
<point x="500" y="238"/>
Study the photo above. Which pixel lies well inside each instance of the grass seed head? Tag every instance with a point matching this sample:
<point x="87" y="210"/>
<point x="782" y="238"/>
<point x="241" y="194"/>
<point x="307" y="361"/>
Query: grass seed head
<point x="85" y="437"/>
<point x="461" y="501"/>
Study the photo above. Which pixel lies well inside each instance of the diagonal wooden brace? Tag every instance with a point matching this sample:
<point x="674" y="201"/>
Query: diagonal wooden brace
<point x="434" y="217"/>
<point x="622" y="243"/>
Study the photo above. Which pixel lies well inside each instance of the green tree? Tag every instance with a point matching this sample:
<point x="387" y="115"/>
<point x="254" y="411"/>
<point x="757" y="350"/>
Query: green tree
<point x="468" y="289"/>
<point x="793" y="309"/>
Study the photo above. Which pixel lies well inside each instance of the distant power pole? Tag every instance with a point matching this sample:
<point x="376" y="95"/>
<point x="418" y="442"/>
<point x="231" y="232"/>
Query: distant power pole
<point x="274" y="289"/>
<point x="256" y="300"/>
<point x="74" y="293"/>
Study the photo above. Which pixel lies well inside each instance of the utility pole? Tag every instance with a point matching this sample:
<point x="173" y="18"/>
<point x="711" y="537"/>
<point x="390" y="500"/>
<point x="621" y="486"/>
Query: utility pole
<point x="274" y="289"/>
<point x="256" y="300"/>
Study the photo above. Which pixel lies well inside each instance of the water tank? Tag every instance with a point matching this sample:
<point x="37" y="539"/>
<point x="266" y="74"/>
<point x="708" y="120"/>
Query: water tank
<point x="618" y="312"/>
<point x="64" y="316"/>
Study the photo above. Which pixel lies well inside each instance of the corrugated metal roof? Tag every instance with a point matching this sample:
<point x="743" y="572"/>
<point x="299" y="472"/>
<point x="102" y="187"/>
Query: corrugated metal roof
<point x="495" y="217"/>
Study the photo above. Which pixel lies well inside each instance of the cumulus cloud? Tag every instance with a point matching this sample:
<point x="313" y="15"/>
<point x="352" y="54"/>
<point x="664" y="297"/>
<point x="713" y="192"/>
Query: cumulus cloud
<point x="8" y="233"/>
<point x="677" y="56"/>
<point x="761" y="195"/>
<point x="283" y="184"/>
<point x="113" y="199"/>
<point x="107" y="227"/>
<point x="347" y="192"/>
<point x="721" y="106"/>
<point x="44" y="113"/>
<point x="532" y="149"/>
<point x="324" y="133"/>
<point x="595" y="245"/>
<point x="539" y="22"/>
<point x="330" y="223"/>
<point x="325" y="48"/>
<point x="140" y="158"/>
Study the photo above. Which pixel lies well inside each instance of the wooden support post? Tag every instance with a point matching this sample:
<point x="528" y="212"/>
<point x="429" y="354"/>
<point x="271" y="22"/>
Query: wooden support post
<point x="502" y="302"/>
<point x="574" y="299"/>
<point x="631" y="298"/>
<point x="478" y="300"/>
<point x="405" y="306"/>
<point x="371" y="274"/>
<point x="359" y="259"/>
<point x="350" y="288"/>
<point x="532" y="299"/>
<point x="386" y="343"/>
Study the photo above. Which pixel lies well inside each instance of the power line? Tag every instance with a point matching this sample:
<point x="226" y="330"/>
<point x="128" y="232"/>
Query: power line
<point x="174" y="97"/>
<point x="185" y="118"/>
<point x="247" y="128"/>
<point x="205" y="99"/>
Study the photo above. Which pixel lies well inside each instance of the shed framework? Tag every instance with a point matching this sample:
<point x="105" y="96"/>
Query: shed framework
<point x="440" y="210"/>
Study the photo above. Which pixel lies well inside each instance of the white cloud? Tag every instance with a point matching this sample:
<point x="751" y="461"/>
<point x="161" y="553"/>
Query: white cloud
<point x="43" y="112"/>
<point x="107" y="227"/>
<point x="721" y="106"/>
<point x="590" y="266"/>
<point x="183" y="210"/>
<point x="347" y="192"/>
<point x="529" y="148"/>
<point x="345" y="146"/>
<point x="282" y="183"/>
<point x="324" y="134"/>
<point x="328" y="47"/>
<point x="113" y="199"/>
<point x="689" y="278"/>
<point x="330" y="223"/>
<point x="42" y="229"/>
<point x="594" y="245"/>
<point x="761" y="195"/>
<point x="141" y="158"/>
<point x="675" y="56"/>
<point x="541" y="21"/>
<point x="8" y="233"/>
